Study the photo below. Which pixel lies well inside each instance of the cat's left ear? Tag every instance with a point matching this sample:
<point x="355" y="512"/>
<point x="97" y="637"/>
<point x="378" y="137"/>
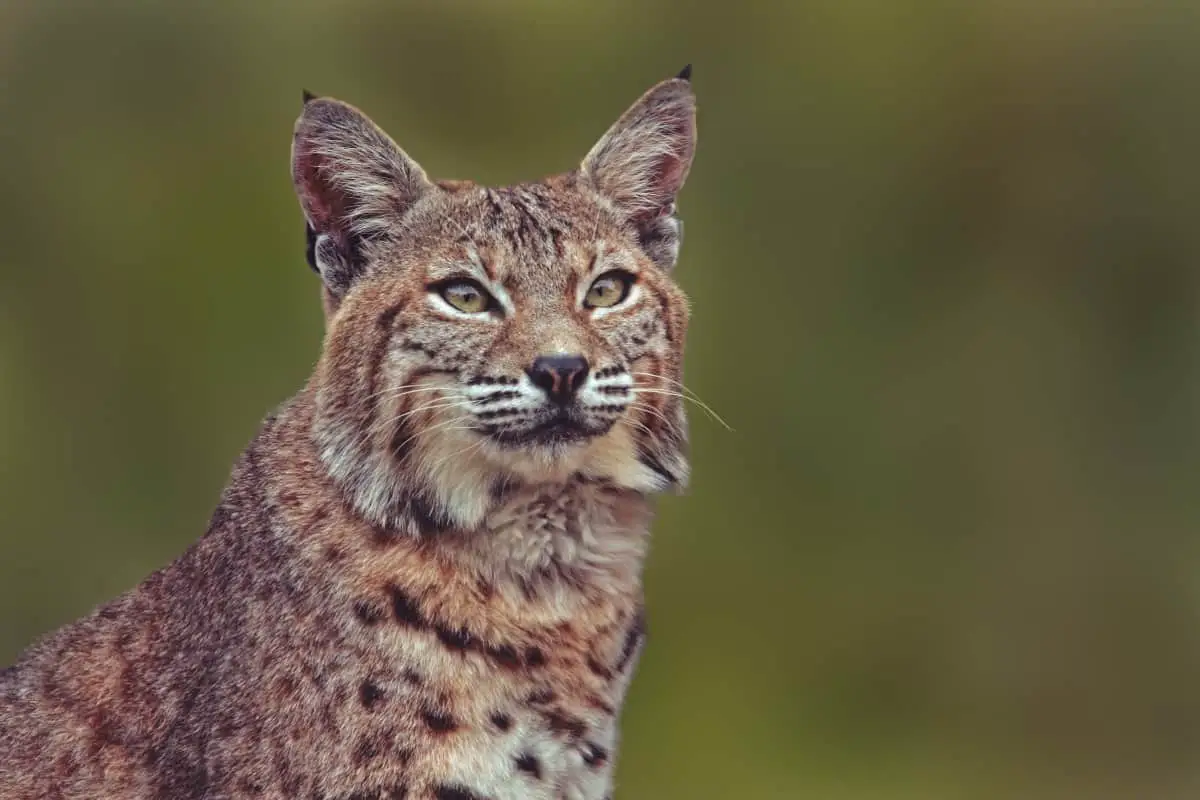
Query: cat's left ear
<point x="640" y="165"/>
<point x="354" y="184"/>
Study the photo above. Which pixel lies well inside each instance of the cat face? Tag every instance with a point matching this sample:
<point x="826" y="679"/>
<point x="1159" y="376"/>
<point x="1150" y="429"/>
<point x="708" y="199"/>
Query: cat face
<point x="479" y="338"/>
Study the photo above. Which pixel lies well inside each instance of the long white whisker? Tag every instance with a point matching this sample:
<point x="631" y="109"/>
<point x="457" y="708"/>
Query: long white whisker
<point x="646" y="407"/>
<point x="470" y="447"/>
<point x="700" y="403"/>
<point x="427" y="431"/>
<point x="683" y="387"/>
<point x="431" y="406"/>
<point x="395" y="392"/>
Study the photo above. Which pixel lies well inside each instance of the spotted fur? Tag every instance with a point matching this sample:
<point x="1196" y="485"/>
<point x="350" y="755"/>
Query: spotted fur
<point x="407" y="591"/>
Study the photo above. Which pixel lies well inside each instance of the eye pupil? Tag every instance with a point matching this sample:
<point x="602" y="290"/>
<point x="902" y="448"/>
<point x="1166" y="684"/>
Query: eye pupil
<point x="466" y="297"/>
<point x="608" y="290"/>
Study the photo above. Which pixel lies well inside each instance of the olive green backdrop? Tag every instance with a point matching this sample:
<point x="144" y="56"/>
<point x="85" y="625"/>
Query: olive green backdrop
<point x="944" y="263"/>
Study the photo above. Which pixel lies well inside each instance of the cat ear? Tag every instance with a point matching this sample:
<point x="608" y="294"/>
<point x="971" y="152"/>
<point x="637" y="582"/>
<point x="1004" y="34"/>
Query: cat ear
<point x="354" y="184"/>
<point x="641" y="163"/>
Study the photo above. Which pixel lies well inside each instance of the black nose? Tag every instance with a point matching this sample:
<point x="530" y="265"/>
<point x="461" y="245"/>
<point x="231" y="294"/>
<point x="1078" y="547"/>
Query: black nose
<point x="559" y="376"/>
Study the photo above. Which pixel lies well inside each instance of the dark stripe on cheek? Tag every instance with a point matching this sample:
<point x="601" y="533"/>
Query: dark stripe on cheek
<point x="456" y="792"/>
<point x="637" y="631"/>
<point x="388" y="317"/>
<point x="428" y="519"/>
<point x="402" y="443"/>
<point x="651" y="462"/>
<point x="384" y="322"/>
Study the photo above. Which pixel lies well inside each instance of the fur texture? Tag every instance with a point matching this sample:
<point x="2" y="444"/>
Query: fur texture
<point x="423" y="580"/>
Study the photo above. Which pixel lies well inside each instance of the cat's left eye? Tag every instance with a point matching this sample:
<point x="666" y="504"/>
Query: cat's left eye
<point x="608" y="290"/>
<point x="467" y="296"/>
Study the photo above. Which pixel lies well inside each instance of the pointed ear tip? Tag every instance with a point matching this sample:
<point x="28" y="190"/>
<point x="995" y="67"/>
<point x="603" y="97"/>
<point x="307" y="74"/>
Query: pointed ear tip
<point x="308" y="96"/>
<point x="685" y="74"/>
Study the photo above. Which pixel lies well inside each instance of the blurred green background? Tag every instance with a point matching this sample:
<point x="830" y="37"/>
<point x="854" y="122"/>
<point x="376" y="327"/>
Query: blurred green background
<point x="943" y="260"/>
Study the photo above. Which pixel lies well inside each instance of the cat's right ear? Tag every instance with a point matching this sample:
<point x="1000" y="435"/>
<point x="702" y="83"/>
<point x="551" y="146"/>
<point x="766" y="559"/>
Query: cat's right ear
<point x="354" y="184"/>
<point x="640" y="165"/>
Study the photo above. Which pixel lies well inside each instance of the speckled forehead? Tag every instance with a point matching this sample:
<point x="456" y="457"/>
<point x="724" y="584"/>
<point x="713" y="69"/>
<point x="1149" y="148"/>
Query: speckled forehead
<point x="532" y="237"/>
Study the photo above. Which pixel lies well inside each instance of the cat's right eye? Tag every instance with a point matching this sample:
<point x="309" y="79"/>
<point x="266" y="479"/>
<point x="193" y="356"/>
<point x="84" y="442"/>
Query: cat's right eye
<point x="466" y="296"/>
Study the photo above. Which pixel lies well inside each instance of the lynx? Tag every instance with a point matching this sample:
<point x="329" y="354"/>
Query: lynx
<point x="423" y="579"/>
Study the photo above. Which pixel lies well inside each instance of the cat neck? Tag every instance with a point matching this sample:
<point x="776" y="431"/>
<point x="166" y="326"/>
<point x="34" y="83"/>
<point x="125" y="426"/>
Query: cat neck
<point x="575" y="540"/>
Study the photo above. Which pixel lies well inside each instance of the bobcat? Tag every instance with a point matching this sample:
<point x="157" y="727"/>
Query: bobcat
<point x="423" y="578"/>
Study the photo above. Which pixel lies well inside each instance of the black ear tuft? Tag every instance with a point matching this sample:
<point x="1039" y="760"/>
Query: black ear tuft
<point x="685" y="74"/>
<point x="308" y="96"/>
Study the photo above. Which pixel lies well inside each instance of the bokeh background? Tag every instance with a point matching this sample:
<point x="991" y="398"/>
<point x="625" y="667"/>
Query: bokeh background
<point x="944" y="263"/>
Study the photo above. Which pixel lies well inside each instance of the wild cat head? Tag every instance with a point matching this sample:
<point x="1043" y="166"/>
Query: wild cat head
<point x="479" y="338"/>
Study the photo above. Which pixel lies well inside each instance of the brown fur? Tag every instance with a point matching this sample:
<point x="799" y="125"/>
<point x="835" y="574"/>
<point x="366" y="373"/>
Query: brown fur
<point x="393" y="599"/>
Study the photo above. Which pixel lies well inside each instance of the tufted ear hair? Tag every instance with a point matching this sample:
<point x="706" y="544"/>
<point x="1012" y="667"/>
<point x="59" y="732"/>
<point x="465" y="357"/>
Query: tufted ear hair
<point x="354" y="184"/>
<point x="640" y="165"/>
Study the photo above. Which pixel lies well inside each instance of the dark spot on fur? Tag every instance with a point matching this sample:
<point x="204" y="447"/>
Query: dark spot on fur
<point x="506" y="656"/>
<point x="599" y="704"/>
<point x="369" y="695"/>
<point x="594" y="754"/>
<point x="599" y="669"/>
<point x="528" y="763"/>
<point x="542" y="696"/>
<point x="367" y="613"/>
<point x="486" y="588"/>
<point x="560" y="722"/>
<point x="454" y="639"/>
<point x="425" y="515"/>
<point x="439" y="722"/>
<point x="405" y="608"/>
<point x="501" y="720"/>
<point x="456" y="792"/>
<point x="334" y="554"/>
<point x="413" y="677"/>
<point x="534" y="657"/>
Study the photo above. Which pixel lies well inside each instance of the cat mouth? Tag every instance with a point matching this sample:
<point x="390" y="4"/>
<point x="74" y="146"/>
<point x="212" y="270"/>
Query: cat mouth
<point x="559" y="427"/>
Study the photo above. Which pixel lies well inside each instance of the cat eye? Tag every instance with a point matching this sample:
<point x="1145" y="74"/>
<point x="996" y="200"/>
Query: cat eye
<point x="608" y="290"/>
<point x="467" y="296"/>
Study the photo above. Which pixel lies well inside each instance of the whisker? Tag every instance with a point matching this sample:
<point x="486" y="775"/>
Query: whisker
<point x="426" y="431"/>
<point x="646" y="407"/>
<point x="444" y="459"/>
<point x="385" y="423"/>
<point x="684" y="387"/>
<point x="433" y="405"/>
<point x="641" y="425"/>
<point x="395" y="391"/>
<point x="697" y="401"/>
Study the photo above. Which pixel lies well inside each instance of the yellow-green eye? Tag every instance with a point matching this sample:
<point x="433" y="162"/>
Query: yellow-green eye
<point x="608" y="290"/>
<point x="467" y="296"/>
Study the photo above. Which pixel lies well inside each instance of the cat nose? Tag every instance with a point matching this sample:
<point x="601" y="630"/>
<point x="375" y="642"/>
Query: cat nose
<point x="559" y="376"/>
